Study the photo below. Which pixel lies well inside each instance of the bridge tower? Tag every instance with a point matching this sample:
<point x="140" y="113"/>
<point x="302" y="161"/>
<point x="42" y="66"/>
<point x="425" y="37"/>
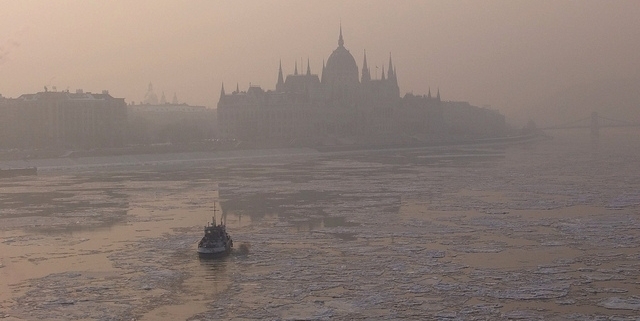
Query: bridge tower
<point x="595" y="128"/>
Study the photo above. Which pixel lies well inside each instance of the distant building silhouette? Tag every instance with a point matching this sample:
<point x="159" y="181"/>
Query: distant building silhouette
<point x="62" y="120"/>
<point x="341" y="106"/>
<point x="170" y="123"/>
<point x="150" y="97"/>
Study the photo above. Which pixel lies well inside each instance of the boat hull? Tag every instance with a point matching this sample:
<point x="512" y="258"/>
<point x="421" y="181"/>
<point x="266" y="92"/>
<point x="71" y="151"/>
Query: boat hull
<point x="211" y="253"/>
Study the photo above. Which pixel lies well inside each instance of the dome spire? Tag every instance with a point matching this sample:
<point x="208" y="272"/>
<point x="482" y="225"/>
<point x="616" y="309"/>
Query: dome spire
<point x="340" y="40"/>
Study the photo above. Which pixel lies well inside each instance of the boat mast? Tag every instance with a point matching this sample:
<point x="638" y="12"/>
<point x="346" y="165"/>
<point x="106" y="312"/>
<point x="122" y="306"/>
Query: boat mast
<point x="214" y="213"/>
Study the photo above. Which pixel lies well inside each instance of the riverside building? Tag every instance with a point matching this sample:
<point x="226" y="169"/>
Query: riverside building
<point x="342" y="106"/>
<point x="52" y="119"/>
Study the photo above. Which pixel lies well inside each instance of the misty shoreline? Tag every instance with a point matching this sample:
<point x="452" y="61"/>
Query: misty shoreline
<point x="206" y="153"/>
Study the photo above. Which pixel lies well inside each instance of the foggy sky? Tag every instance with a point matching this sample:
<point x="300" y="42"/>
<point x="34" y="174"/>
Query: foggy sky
<point x="507" y="54"/>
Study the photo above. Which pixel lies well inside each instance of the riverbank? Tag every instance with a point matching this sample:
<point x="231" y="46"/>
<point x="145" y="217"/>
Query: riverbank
<point x="51" y="159"/>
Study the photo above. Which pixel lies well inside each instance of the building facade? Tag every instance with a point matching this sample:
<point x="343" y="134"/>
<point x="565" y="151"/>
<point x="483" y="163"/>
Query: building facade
<point x="62" y="120"/>
<point x="343" y="105"/>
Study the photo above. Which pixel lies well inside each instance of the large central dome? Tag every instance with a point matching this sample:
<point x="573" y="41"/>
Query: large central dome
<point x="341" y="70"/>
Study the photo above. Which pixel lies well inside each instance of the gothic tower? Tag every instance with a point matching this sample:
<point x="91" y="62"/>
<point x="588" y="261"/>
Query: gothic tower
<point x="280" y="84"/>
<point x="366" y="75"/>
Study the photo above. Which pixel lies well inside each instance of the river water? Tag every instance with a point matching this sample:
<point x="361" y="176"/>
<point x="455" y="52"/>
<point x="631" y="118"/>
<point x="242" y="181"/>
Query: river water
<point x="545" y="230"/>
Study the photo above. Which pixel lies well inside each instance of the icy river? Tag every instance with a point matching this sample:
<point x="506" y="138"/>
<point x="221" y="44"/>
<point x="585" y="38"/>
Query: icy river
<point x="547" y="230"/>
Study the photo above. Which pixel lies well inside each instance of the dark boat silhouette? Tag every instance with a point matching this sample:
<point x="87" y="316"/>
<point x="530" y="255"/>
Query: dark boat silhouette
<point x="216" y="242"/>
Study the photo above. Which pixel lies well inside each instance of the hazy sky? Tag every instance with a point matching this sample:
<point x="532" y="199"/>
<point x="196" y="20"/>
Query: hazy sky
<point x="501" y="53"/>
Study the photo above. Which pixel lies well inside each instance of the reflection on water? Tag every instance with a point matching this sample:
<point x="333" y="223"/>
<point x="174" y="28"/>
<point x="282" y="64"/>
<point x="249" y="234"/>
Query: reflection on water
<point x="215" y="269"/>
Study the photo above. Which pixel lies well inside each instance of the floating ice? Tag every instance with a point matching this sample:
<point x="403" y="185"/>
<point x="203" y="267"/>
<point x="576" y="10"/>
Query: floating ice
<point x="617" y="303"/>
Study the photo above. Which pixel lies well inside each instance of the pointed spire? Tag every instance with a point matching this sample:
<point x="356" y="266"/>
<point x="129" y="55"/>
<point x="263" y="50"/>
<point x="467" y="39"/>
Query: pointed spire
<point x="175" y="99"/>
<point x="308" y="68"/>
<point x="280" y="78"/>
<point x="429" y="95"/>
<point x="340" y="40"/>
<point x="237" y="88"/>
<point x="391" y="70"/>
<point x="295" y="72"/>
<point x="383" y="78"/>
<point x="366" y="75"/>
<point x="438" y="97"/>
<point x="222" y="94"/>
<point x="323" y="68"/>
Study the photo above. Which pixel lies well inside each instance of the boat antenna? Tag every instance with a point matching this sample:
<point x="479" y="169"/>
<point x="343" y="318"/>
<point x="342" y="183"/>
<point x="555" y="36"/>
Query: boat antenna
<point x="214" y="213"/>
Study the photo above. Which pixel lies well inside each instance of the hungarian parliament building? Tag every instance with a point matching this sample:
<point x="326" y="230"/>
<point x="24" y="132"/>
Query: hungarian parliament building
<point x="346" y="106"/>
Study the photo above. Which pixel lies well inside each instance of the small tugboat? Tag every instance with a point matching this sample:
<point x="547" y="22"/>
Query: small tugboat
<point x="216" y="242"/>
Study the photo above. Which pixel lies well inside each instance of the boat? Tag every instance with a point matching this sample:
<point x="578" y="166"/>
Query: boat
<point x="13" y="172"/>
<point x="216" y="242"/>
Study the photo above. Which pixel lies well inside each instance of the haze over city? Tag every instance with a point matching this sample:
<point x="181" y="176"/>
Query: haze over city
<point x="505" y="54"/>
<point x="319" y="160"/>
